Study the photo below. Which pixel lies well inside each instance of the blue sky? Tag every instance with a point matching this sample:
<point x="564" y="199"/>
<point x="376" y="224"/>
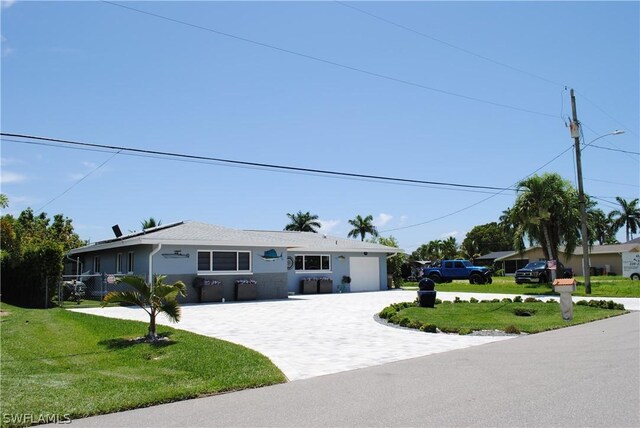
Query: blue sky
<point x="456" y="92"/>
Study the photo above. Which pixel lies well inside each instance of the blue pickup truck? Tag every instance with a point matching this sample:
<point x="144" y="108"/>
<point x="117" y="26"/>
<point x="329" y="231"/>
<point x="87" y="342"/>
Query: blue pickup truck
<point x="448" y="270"/>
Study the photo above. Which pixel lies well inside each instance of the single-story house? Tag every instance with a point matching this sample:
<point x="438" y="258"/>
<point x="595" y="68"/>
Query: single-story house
<point x="604" y="258"/>
<point x="277" y="260"/>
<point x="489" y="258"/>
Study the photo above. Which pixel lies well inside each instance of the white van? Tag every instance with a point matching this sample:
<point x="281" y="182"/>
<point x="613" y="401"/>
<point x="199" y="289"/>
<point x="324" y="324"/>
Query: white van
<point x="631" y="265"/>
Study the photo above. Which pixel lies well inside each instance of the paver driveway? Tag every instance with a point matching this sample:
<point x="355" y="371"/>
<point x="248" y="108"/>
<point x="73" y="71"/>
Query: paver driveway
<point x="312" y="335"/>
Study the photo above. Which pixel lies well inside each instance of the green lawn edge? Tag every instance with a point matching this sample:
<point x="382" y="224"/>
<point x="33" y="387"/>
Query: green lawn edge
<point x="62" y="364"/>
<point x="611" y="287"/>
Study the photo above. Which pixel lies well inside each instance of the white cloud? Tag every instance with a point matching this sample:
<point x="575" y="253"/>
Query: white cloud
<point x="7" y="177"/>
<point x="450" y="234"/>
<point x="382" y="219"/>
<point x="6" y="49"/>
<point x="403" y="220"/>
<point x="6" y="4"/>
<point x="327" y="226"/>
<point x="91" y="169"/>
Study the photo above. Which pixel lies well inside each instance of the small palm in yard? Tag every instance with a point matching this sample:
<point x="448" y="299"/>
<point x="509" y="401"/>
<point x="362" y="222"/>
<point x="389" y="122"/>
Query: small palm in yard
<point x="154" y="299"/>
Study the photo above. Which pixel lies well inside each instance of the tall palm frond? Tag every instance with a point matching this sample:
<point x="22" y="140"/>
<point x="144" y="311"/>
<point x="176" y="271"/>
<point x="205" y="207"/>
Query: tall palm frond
<point x="362" y="227"/>
<point x="303" y="222"/>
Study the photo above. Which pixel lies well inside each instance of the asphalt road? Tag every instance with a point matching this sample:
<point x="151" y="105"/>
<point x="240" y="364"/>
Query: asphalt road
<point x="583" y="376"/>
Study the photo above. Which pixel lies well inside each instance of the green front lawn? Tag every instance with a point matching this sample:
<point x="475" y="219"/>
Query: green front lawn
<point x="57" y="363"/>
<point x="514" y="317"/>
<point x="601" y="286"/>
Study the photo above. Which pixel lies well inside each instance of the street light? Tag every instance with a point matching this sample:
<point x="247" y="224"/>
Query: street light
<point x="575" y="132"/>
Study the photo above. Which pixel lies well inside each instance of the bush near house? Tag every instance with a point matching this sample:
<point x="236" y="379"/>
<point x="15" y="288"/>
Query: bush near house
<point x="33" y="250"/>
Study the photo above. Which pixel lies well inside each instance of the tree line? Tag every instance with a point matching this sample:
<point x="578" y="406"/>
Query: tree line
<point x="546" y="212"/>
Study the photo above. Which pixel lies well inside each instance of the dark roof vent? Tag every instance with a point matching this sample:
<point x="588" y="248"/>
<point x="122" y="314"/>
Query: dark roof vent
<point x="117" y="231"/>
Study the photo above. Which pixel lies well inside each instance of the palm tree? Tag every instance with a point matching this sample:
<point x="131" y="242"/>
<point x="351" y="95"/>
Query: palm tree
<point x="4" y="201"/>
<point x="470" y="249"/>
<point x="628" y="216"/>
<point x="547" y="212"/>
<point x="600" y="227"/>
<point x="362" y="226"/>
<point x="154" y="299"/>
<point x="149" y="223"/>
<point x="303" y="222"/>
<point x="449" y="248"/>
<point x="434" y="248"/>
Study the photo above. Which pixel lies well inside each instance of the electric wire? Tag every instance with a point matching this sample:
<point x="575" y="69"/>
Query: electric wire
<point x="78" y="182"/>
<point x="252" y="164"/>
<point x="614" y="150"/>
<point x="333" y="63"/>
<point x="485" y="58"/>
<point x="451" y="45"/>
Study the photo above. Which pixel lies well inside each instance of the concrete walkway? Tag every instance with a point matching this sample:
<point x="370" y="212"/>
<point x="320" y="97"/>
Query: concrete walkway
<point x="314" y="335"/>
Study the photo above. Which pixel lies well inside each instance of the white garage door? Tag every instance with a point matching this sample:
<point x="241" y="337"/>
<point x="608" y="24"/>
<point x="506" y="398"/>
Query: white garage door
<point x="365" y="274"/>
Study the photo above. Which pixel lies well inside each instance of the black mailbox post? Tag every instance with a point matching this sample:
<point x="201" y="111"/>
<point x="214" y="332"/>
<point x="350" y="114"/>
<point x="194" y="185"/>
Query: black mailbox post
<point x="427" y="293"/>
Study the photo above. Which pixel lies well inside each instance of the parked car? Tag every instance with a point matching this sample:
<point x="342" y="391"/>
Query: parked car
<point x="537" y="272"/>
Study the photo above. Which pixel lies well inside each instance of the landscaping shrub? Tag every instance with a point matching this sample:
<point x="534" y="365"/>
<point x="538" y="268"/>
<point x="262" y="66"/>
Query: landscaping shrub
<point x="512" y="329"/>
<point x="507" y="300"/>
<point x="473" y="300"/>
<point x="415" y="324"/>
<point x="429" y="328"/>
<point x="532" y="300"/>
<point x="602" y="304"/>
<point x="517" y="299"/>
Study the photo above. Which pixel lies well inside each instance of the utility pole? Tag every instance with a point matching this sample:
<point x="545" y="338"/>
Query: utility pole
<point x="575" y="133"/>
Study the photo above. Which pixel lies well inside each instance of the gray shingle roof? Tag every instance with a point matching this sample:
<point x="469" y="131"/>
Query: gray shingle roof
<point x="196" y="233"/>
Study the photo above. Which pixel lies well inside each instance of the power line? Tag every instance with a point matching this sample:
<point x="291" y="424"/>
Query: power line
<point x="512" y="187"/>
<point x="467" y="51"/>
<point x="326" y="61"/>
<point x="285" y="168"/>
<point x="483" y="57"/>
<point x="606" y="114"/>
<point x="614" y="150"/>
<point x="612" y="182"/>
<point x="79" y="181"/>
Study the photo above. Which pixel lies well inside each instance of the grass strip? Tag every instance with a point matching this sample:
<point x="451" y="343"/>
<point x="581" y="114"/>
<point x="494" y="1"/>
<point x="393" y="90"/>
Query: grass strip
<point x="600" y="287"/>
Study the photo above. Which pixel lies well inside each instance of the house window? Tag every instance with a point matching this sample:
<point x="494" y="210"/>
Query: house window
<point x="130" y="261"/>
<point x="119" y="263"/>
<point x="313" y="262"/>
<point x="224" y="261"/>
<point x="96" y="264"/>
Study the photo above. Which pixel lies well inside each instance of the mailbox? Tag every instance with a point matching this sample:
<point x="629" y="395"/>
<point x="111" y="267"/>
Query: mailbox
<point x="565" y="286"/>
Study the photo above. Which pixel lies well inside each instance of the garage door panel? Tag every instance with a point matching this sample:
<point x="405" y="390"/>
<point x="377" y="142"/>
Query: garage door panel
<point x="365" y="274"/>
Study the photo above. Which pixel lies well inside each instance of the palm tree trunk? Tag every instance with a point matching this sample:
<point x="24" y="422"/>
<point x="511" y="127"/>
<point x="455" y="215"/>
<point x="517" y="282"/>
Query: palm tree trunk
<point x="152" y="327"/>
<point x="551" y="256"/>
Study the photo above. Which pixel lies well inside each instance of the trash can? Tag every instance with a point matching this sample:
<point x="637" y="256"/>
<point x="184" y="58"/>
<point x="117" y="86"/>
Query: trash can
<point x="427" y="293"/>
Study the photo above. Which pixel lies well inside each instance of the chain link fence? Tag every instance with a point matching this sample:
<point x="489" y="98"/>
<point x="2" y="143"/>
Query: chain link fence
<point x="86" y="289"/>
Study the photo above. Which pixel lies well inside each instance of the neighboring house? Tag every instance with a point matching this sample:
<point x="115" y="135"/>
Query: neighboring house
<point x="605" y="257"/>
<point x="490" y="258"/>
<point x="277" y="260"/>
